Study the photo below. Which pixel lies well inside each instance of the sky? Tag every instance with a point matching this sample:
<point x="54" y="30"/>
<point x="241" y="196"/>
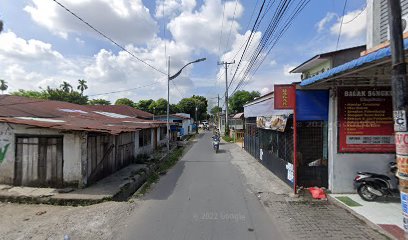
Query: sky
<point x="43" y="45"/>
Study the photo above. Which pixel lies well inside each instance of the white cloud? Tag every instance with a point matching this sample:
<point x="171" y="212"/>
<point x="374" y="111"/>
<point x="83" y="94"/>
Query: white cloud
<point x="351" y="30"/>
<point x="326" y="20"/>
<point x="272" y="62"/>
<point x="172" y="8"/>
<point x="124" y="21"/>
<point x="188" y="28"/>
<point x="287" y="69"/>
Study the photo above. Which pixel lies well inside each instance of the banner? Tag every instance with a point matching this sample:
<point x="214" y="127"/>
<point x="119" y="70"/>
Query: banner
<point x="277" y="123"/>
<point x="366" y="120"/>
<point x="284" y="96"/>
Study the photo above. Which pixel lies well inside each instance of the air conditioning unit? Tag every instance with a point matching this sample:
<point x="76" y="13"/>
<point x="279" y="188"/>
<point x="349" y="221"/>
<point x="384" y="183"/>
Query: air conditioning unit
<point x="404" y="22"/>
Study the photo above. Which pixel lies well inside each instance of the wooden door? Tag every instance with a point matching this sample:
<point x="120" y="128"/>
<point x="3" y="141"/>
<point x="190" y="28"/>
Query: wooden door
<point x="39" y="161"/>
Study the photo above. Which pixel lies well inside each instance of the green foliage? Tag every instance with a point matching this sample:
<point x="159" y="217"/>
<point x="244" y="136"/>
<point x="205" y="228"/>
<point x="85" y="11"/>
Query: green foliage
<point x="99" y="101"/>
<point x="54" y="94"/>
<point x="3" y="85"/>
<point x="227" y="138"/>
<point x="66" y="87"/>
<point x="239" y="99"/>
<point x="174" y="108"/>
<point x="144" y="105"/>
<point x="158" y="107"/>
<point x="82" y="86"/>
<point x="215" y="110"/>
<point x="188" y="105"/>
<point x="62" y="95"/>
<point x="124" y="101"/>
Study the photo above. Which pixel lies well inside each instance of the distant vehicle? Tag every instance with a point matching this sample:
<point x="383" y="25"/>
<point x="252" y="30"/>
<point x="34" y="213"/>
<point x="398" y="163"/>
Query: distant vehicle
<point x="200" y="125"/>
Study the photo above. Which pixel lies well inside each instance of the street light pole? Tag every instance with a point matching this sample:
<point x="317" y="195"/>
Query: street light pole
<point x="169" y="78"/>
<point x="196" y="119"/>
<point x="168" y="106"/>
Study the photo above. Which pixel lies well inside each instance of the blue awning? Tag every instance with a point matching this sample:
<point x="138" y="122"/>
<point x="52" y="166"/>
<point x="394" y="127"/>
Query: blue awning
<point x="369" y="58"/>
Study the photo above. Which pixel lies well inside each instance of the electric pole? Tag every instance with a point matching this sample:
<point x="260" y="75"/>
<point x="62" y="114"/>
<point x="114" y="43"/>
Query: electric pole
<point x="226" y="93"/>
<point x="218" y="111"/>
<point x="399" y="88"/>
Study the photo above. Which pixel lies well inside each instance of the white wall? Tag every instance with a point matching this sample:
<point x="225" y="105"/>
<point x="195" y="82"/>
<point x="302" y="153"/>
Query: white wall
<point x="343" y="166"/>
<point x="71" y="151"/>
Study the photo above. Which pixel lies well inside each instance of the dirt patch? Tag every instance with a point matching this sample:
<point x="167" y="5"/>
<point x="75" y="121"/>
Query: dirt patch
<point x="24" y="221"/>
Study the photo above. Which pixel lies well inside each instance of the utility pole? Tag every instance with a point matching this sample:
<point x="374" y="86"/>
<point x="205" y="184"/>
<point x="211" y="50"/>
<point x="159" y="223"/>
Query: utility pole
<point x="399" y="88"/>
<point x="226" y="93"/>
<point x="168" y="108"/>
<point x="218" y="111"/>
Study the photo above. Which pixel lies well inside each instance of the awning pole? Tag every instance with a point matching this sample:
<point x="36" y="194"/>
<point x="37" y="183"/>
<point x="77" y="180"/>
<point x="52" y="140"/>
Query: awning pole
<point x="294" y="145"/>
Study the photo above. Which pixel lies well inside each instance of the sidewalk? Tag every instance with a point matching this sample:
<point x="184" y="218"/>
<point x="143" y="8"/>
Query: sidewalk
<point x="300" y="217"/>
<point x="385" y="213"/>
<point x="114" y="187"/>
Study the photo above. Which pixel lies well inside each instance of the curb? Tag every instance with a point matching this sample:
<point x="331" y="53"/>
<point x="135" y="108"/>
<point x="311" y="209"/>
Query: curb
<point x="336" y="202"/>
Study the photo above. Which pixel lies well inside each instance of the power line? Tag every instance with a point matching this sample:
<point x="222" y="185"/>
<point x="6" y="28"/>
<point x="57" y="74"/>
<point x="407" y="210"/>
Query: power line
<point x="126" y="90"/>
<point x="222" y="28"/>
<point x="341" y="24"/>
<point x="247" y="42"/>
<point x="232" y="22"/>
<point x="110" y="39"/>
<point x="354" y="18"/>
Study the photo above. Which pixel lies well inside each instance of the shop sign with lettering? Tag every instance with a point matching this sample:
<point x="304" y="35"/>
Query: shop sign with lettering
<point x="365" y="120"/>
<point x="284" y="96"/>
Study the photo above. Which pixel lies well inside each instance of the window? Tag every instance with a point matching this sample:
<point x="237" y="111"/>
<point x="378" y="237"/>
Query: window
<point x="163" y="133"/>
<point x="145" y="137"/>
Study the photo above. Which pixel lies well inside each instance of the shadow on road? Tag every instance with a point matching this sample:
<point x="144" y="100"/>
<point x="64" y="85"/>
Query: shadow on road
<point x="165" y="187"/>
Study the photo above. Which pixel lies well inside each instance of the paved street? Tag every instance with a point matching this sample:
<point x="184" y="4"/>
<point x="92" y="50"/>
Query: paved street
<point x="203" y="197"/>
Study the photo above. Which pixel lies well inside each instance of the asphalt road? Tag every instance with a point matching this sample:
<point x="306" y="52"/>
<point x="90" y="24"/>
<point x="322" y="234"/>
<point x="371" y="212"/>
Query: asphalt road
<point x="203" y="196"/>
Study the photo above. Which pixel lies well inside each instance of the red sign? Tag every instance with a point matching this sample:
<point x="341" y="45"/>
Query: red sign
<point x="284" y="96"/>
<point x="366" y="120"/>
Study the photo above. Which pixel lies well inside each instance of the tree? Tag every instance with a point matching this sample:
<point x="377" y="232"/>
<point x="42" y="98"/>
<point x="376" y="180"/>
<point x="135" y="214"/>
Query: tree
<point x="31" y="94"/>
<point x="188" y="105"/>
<point x="66" y="87"/>
<point x="215" y="110"/>
<point x="3" y="85"/>
<point x="62" y="95"/>
<point x="58" y="94"/>
<point x="99" y="101"/>
<point x="239" y="99"/>
<point x="158" y="107"/>
<point x="124" y="101"/>
<point x="82" y="86"/>
<point x="174" y="108"/>
<point x="144" y="105"/>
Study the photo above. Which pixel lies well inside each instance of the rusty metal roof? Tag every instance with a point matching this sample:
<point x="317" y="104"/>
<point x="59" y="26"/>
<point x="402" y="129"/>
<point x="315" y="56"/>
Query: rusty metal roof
<point x="67" y="116"/>
<point x="123" y="110"/>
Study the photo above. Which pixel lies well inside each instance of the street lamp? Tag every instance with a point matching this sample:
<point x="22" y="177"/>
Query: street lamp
<point x="196" y="120"/>
<point x="169" y="78"/>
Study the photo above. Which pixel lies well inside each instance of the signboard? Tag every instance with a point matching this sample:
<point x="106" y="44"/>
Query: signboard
<point x="284" y="96"/>
<point x="277" y="123"/>
<point x="366" y="120"/>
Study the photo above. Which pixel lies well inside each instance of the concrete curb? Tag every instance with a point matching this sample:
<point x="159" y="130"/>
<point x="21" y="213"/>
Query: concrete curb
<point x="336" y="202"/>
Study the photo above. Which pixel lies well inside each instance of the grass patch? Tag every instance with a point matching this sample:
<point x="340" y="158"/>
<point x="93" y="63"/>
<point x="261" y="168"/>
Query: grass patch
<point x="227" y="138"/>
<point x="163" y="166"/>
<point x="349" y="202"/>
<point x="152" y="178"/>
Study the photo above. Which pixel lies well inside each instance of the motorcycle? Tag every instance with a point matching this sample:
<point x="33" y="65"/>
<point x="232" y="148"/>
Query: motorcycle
<point x="216" y="143"/>
<point x="370" y="186"/>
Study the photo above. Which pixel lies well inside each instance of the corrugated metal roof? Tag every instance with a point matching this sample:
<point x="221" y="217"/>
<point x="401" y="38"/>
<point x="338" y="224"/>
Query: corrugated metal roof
<point x="238" y="115"/>
<point x="359" y="62"/>
<point x="66" y="116"/>
<point x="123" y="110"/>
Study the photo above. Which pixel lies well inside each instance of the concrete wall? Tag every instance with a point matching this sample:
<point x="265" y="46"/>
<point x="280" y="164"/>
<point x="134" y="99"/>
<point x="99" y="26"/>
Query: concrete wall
<point x="343" y="166"/>
<point x="71" y="151"/>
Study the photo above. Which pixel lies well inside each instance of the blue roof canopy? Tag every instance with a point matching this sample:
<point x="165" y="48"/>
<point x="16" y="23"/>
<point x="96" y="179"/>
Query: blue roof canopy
<point x="356" y="63"/>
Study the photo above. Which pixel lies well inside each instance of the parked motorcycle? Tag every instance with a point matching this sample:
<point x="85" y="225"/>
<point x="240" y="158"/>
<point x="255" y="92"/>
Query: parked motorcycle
<point x="216" y="143"/>
<point x="370" y="186"/>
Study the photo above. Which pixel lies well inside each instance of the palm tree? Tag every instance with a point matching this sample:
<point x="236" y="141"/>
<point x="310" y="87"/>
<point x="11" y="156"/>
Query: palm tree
<point x="3" y="85"/>
<point x="82" y="85"/>
<point x="66" y="87"/>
